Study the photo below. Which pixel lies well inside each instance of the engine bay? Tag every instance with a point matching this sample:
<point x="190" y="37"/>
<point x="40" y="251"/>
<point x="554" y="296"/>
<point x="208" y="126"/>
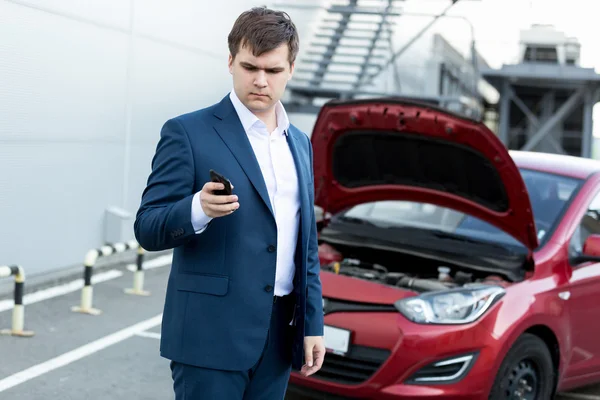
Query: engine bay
<point x="407" y="273"/>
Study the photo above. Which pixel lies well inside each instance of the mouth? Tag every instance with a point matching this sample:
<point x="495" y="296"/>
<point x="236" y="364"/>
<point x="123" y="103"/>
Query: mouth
<point x="259" y="95"/>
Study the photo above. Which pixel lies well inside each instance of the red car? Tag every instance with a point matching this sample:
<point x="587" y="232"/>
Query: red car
<point x="451" y="269"/>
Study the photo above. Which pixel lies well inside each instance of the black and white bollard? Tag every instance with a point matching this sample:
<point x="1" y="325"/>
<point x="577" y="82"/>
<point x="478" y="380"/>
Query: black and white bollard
<point x="18" y="316"/>
<point x="91" y="257"/>
<point x="138" y="276"/>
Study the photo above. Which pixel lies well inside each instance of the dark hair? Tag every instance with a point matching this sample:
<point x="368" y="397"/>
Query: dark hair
<point x="263" y="30"/>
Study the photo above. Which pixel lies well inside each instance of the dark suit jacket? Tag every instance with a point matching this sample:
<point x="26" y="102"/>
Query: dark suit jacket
<point x="220" y="290"/>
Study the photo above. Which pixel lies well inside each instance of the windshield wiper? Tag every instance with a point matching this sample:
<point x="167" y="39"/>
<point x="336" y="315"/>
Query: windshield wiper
<point x="451" y="236"/>
<point x="423" y="234"/>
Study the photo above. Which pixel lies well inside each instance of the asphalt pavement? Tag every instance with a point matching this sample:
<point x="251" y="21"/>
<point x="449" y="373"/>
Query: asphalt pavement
<point x="110" y="356"/>
<point x="77" y="356"/>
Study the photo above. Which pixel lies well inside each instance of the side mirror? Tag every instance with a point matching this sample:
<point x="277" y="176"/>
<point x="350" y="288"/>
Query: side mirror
<point x="590" y="251"/>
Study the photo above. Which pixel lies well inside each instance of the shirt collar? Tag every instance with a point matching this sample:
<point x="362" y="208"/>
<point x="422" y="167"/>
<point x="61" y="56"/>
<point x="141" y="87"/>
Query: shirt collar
<point x="248" y="119"/>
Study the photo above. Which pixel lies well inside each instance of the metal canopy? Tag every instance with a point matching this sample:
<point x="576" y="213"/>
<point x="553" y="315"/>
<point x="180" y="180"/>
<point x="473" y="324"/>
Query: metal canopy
<point x="553" y="75"/>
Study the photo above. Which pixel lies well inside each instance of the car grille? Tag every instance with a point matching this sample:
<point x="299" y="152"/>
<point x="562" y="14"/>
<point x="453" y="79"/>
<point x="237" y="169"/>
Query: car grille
<point x="358" y="365"/>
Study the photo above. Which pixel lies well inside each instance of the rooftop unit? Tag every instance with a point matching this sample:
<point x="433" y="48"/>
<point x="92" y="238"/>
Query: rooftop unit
<point x="546" y="44"/>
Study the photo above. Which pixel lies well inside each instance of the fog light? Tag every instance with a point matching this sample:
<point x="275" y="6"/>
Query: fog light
<point x="445" y="371"/>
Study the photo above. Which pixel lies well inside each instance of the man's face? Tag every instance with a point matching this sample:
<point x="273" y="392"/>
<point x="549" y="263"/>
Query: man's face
<point x="259" y="82"/>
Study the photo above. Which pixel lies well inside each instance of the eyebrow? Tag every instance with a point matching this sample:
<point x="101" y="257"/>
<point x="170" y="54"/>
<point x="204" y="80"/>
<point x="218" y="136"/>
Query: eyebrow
<point x="248" y="65"/>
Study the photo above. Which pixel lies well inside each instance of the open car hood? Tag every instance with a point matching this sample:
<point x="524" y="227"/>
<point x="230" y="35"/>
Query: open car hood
<point x="396" y="149"/>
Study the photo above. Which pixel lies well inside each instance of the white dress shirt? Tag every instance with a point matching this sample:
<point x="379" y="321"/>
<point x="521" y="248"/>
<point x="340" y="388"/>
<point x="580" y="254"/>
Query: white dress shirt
<point x="279" y="173"/>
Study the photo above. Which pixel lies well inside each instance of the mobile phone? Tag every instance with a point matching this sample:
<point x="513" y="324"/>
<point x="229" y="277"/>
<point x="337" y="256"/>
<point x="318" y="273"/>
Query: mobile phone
<point x="217" y="177"/>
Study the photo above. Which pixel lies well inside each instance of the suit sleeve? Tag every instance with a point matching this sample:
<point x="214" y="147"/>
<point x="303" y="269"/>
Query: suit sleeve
<point x="163" y="220"/>
<point x="314" y="301"/>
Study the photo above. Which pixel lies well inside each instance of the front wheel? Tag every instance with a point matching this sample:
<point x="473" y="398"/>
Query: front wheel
<point x="527" y="372"/>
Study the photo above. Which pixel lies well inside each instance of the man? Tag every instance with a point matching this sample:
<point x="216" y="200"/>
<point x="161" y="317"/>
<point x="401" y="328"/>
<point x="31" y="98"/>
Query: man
<point x="243" y="303"/>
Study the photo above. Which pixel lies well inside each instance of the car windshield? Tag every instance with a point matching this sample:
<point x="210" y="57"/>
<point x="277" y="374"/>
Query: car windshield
<point x="549" y="195"/>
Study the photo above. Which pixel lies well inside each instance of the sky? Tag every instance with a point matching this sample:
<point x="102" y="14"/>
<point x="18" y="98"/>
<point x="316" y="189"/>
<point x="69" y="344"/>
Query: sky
<point x="497" y="24"/>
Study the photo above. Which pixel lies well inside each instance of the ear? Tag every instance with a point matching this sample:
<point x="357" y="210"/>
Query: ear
<point x="230" y="64"/>
<point x="291" y="70"/>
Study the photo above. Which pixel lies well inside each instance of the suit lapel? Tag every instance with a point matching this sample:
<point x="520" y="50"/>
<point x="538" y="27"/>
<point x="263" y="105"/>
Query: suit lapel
<point x="300" y="160"/>
<point x="232" y="132"/>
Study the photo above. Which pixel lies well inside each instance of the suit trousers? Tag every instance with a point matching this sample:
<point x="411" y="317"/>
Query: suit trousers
<point x="266" y="380"/>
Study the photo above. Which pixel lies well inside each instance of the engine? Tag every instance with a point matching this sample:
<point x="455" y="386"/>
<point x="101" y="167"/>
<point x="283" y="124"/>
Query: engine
<point x="446" y="278"/>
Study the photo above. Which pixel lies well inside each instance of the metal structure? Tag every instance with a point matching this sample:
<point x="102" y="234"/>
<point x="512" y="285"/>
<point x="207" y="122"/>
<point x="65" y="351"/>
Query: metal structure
<point x="546" y="101"/>
<point x="18" y="316"/>
<point x="87" y="292"/>
<point x="351" y="42"/>
<point x="352" y="47"/>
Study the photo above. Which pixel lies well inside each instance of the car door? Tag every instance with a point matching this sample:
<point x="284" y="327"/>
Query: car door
<point x="583" y="298"/>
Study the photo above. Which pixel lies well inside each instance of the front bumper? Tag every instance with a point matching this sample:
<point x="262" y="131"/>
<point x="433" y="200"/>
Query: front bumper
<point x="297" y="392"/>
<point x="395" y="349"/>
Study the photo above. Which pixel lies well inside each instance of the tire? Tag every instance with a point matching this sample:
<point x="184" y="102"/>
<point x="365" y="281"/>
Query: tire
<point x="527" y="372"/>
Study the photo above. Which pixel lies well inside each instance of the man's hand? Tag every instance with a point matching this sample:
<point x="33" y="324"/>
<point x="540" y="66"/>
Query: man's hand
<point x="214" y="205"/>
<point x="314" y="353"/>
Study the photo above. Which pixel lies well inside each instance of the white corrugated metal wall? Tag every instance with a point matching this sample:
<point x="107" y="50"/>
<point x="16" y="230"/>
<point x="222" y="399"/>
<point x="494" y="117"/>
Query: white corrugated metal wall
<point x="84" y="90"/>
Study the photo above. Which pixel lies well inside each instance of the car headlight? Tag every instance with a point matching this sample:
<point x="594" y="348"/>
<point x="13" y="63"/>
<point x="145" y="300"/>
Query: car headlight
<point x="455" y="306"/>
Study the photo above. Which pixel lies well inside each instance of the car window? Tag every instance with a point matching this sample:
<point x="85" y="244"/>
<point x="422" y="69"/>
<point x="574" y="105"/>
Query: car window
<point x="589" y="224"/>
<point x="549" y="194"/>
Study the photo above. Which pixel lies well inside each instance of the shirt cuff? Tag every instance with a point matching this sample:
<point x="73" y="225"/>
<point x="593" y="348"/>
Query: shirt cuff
<point x="199" y="219"/>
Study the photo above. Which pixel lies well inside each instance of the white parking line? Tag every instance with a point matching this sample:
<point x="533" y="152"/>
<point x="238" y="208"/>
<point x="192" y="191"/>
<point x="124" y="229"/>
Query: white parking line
<point x="580" y="396"/>
<point x="56" y="291"/>
<point x="152" y="335"/>
<point x="78" y="353"/>
<point x="154" y="263"/>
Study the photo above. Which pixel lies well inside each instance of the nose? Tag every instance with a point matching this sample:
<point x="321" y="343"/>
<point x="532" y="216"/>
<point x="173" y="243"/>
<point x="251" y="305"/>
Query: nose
<point x="260" y="80"/>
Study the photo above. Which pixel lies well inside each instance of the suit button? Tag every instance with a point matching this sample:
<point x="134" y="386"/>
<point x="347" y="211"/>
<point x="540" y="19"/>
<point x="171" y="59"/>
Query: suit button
<point x="268" y="288"/>
<point x="271" y="248"/>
